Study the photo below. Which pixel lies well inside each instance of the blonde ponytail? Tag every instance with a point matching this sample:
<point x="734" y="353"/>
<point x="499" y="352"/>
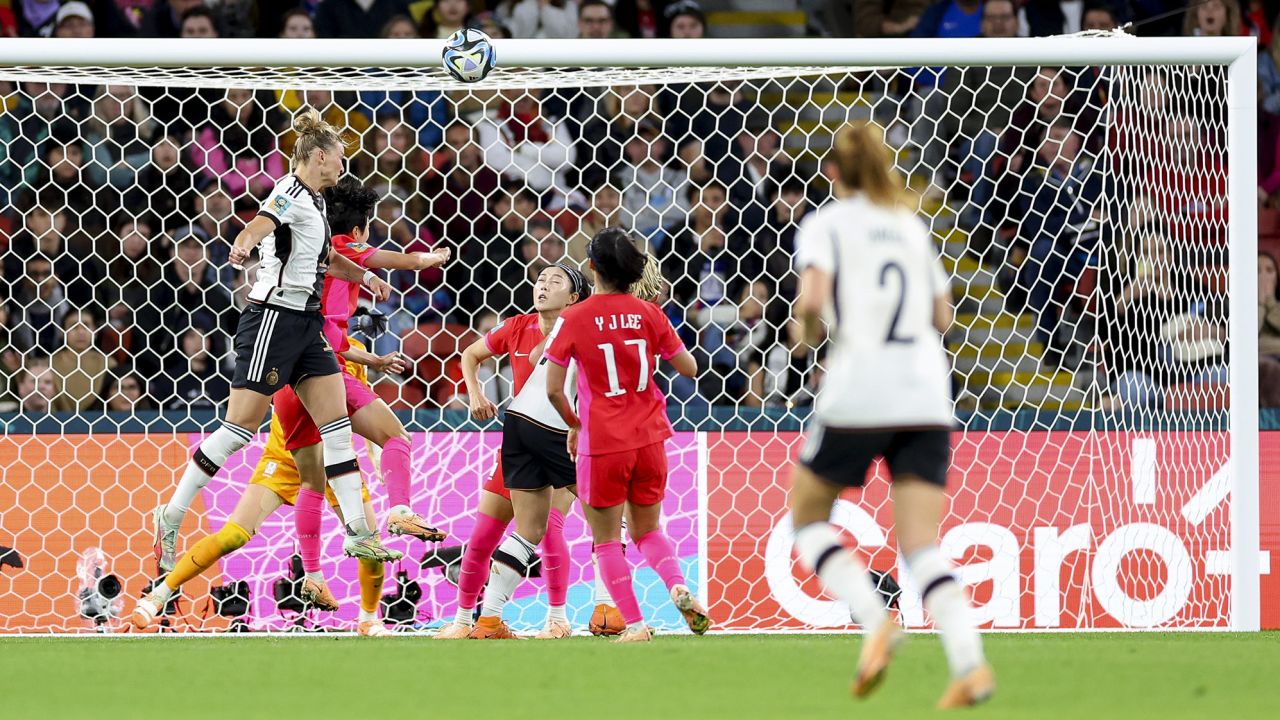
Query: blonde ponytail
<point x="865" y="164"/>
<point x="313" y="134"/>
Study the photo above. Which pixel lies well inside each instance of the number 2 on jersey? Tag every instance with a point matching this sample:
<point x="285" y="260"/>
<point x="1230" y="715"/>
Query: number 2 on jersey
<point x="611" y="366"/>
<point x="893" y="336"/>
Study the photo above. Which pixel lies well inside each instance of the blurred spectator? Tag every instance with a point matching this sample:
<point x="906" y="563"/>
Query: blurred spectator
<point x="444" y="18"/>
<point x="215" y="217"/>
<point x="652" y="185"/>
<point x="950" y="19"/>
<point x="191" y="379"/>
<point x="165" y="185"/>
<point x="165" y="18"/>
<point x="758" y="165"/>
<point x="124" y="391"/>
<point x="191" y="295"/>
<point x="25" y="128"/>
<point x="541" y="18"/>
<point x="80" y="366"/>
<point x="74" y="20"/>
<point x="1212" y="18"/>
<point x="8" y="28"/>
<point x="339" y="110"/>
<point x="1269" y="75"/>
<point x="522" y="144"/>
<point x="774" y="243"/>
<point x="10" y="364"/>
<point x="237" y="146"/>
<point x="595" y="20"/>
<point x="64" y="181"/>
<point x="605" y="210"/>
<point x="198" y="22"/>
<point x="490" y="24"/>
<point x="1186" y="183"/>
<point x="1098" y="16"/>
<point x="297" y="24"/>
<point x="1268" y="332"/>
<point x="609" y="124"/>
<point x="36" y="387"/>
<point x="684" y="20"/>
<point x="37" y="307"/>
<point x="968" y="111"/>
<point x="131" y="274"/>
<point x="356" y="18"/>
<point x="49" y="233"/>
<point x="459" y="186"/>
<point x="425" y="111"/>
<point x="120" y="135"/>
<point x="236" y="18"/>
<point x="748" y="340"/>
<point x="1060" y="208"/>
<point x="866" y="18"/>
<point x="640" y="18"/>
<point x="398" y="161"/>
<point x="36" y="18"/>
<point x="705" y="260"/>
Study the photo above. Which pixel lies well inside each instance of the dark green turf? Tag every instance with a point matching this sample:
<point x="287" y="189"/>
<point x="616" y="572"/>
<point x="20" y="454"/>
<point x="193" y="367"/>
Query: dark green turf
<point x="1090" y="677"/>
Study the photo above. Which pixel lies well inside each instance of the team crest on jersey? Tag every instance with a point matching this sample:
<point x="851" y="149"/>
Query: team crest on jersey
<point x="279" y="204"/>
<point x="273" y="377"/>
<point x="358" y="247"/>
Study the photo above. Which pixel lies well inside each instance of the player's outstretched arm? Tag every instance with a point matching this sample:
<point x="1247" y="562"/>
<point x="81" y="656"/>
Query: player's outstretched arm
<point x="388" y="260"/>
<point x="476" y="353"/>
<point x="248" y="239"/>
<point x="684" y="363"/>
<point x="815" y="293"/>
<point x="343" y="269"/>
<point x="392" y="362"/>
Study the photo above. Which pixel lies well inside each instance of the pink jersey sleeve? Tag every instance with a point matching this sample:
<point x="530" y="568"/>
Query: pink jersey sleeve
<point x="498" y="339"/>
<point x="356" y="252"/>
<point x="559" y="347"/>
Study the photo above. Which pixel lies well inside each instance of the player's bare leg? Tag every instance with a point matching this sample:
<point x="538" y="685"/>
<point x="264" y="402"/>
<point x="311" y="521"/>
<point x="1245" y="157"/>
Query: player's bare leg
<point x="255" y="506"/>
<point x="245" y="410"/>
<point x="376" y="423"/>
<point x="840" y="571"/>
<point x="492" y="517"/>
<point x="324" y="397"/>
<point x="917" y="512"/>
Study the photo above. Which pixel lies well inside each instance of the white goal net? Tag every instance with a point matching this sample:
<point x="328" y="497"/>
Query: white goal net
<point x="1081" y="211"/>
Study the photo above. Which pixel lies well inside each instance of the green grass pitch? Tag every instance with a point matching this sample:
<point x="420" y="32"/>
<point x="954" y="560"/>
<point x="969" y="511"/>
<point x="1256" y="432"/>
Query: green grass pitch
<point x="1090" y="676"/>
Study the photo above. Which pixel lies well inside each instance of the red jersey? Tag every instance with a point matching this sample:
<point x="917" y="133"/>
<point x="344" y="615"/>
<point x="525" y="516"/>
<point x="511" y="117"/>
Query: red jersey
<point x="616" y="340"/>
<point x="338" y="300"/>
<point x="516" y="336"/>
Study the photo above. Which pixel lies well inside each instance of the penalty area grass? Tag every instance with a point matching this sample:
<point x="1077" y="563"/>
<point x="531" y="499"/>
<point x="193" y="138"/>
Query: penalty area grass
<point x="1093" y="676"/>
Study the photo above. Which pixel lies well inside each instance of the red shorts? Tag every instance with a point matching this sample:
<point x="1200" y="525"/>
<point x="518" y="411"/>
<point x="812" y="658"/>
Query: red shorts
<point x="299" y="429"/>
<point x="495" y="484"/>
<point x="636" y="476"/>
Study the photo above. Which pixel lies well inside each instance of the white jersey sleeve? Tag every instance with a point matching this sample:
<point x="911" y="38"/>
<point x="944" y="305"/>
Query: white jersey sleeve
<point x="814" y="246"/>
<point x="280" y="206"/>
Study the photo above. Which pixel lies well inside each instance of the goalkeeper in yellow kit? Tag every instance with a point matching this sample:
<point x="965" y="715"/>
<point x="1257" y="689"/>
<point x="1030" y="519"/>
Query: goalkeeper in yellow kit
<point x="275" y="482"/>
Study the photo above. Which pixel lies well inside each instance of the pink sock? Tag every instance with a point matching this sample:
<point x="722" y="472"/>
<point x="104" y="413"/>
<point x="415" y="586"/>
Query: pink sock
<point x="661" y="556"/>
<point x="555" y="559"/>
<point x="485" y="538"/>
<point x="617" y="577"/>
<point x="395" y="470"/>
<point x="306" y="521"/>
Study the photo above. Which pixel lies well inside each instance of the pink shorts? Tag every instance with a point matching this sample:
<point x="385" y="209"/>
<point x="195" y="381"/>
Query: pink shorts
<point x="299" y="429"/>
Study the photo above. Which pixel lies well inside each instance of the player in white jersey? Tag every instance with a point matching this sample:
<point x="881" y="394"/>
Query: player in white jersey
<point x="869" y="268"/>
<point x="279" y="341"/>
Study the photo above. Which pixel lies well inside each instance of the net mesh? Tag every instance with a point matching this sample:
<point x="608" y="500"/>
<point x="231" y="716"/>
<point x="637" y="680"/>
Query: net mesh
<point x="1080" y="213"/>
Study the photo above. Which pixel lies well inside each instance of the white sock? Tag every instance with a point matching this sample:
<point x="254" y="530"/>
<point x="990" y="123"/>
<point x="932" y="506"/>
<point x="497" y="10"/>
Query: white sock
<point x="368" y="616"/>
<point x="602" y="590"/>
<point x="163" y="592"/>
<point x="465" y="616"/>
<point x="343" y="470"/>
<point x="503" y="579"/>
<point x="947" y="605"/>
<point x="637" y="627"/>
<point x="203" y="465"/>
<point x="557" y="614"/>
<point x="840" y="572"/>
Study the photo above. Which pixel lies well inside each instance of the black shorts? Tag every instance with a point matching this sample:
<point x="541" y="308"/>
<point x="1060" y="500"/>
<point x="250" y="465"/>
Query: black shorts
<point x="842" y="456"/>
<point x="534" y="456"/>
<point x="277" y="347"/>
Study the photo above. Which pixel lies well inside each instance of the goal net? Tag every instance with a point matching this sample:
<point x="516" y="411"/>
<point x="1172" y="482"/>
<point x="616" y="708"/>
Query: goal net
<point x="1081" y="212"/>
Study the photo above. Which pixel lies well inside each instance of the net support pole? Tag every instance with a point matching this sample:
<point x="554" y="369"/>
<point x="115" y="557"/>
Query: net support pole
<point x="1242" y="238"/>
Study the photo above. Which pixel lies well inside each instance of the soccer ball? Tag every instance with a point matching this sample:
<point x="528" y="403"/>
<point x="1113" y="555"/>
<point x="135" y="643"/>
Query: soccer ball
<point x="606" y="620"/>
<point x="468" y="55"/>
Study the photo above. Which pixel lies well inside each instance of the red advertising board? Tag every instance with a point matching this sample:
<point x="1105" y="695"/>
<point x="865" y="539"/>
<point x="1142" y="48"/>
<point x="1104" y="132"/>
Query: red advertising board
<point x="1050" y="530"/>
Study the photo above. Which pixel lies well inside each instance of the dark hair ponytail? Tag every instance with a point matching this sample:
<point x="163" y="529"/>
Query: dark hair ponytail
<point x="349" y="205"/>
<point x="618" y="261"/>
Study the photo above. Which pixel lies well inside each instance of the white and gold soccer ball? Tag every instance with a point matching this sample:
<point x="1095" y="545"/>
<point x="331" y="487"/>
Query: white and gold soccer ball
<point x="468" y="55"/>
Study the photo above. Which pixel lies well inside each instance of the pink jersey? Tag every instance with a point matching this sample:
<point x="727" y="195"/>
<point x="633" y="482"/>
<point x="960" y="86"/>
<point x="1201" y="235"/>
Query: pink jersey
<point x="340" y="298"/>
<point x="617" y="341"/>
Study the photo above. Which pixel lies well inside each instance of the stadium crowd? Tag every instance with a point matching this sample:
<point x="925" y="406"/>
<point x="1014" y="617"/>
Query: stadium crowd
<point x="120" y="203"/>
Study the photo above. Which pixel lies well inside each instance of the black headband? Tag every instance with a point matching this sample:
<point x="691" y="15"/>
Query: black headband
<point x="576" y="278"/>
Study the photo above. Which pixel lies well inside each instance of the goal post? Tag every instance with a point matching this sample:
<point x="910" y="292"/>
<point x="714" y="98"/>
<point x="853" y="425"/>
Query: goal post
<point x="1093" y="453"/>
